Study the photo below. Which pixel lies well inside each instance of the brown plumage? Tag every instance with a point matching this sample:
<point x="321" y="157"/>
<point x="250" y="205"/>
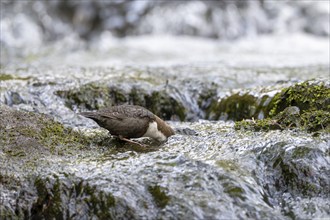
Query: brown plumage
<point x="131" y="121"/>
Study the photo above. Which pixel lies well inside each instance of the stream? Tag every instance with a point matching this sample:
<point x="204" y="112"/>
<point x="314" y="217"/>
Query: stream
<point x="55" y="164"/>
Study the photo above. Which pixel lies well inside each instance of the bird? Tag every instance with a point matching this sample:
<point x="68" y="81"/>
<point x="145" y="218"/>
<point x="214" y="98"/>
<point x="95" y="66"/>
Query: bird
<point x="131" y="121"/>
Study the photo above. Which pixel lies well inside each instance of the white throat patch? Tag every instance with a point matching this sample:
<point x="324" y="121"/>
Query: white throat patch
<point x="153" y="132"/>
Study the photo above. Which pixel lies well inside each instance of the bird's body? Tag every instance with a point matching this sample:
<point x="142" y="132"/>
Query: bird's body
<point x="131" y="121"/>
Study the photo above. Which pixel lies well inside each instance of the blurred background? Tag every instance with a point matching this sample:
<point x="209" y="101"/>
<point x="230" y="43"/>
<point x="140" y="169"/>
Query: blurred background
<point x="28" y="26"/>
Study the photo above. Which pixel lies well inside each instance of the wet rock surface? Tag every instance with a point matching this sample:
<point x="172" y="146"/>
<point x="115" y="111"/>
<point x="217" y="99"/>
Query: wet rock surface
<point x="304" y="106"/>
<point x="252" y="118"/>
<point x="220" y="173"/>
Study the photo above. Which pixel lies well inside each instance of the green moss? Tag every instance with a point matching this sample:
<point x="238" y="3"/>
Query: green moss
<point x="159" y="196"/>
<point x="235" y="107"/>
<point x="48" y="204"/>
<point x="137" y="96"/>
<point x="166" y="107"/>
<point x="310" y="121"/>
<point x="316" y="120"/>
<point x="306" y="96"/>
<point x="4" y="77"/>
<point x="292" y="171"/>
<point x="25" y="134"/>
<point x="117" y="95"/>
<point x="305" y="106"/>
<point x="258" y="125"/>
<point x="95" y="96"/>
<point x="233" y="191"/>
<point x="53" y="194"/>
<point x="90" y="96"/>
<point x="53" y="133"/>
<point x="28" y="137"/>
<point x="99" y="203"/>
<point x="301" y="152"/>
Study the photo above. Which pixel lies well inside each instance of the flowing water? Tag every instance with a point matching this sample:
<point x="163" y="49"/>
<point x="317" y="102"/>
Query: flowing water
<point x="221" y="173"/>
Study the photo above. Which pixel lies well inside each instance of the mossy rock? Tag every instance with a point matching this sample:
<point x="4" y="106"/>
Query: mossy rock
<point x="305" y="106"/>
<point x="27" y="134"/>
<point x="237" y="107"/>
<point x="5" y="77"/>
<point x="310" y="121"/>
<point x="53" y="195"/>
<point x="137" y="96"/>
<point x="258" y="125"/>
<point x="165" y="106"/>
<point x="306" y="96"/>
<point x="313" y="121"/>
<point x="50" y="194"/>
<point x="28" y="144"/>
<point x="287" y="169"/>
<point x="95" y="96"/>
<point x="159" y="196"/>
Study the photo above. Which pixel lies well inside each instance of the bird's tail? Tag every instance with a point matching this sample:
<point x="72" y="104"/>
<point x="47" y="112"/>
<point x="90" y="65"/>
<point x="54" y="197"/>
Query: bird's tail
<point x="91" y="115"/>
<point x="185" y="131"/>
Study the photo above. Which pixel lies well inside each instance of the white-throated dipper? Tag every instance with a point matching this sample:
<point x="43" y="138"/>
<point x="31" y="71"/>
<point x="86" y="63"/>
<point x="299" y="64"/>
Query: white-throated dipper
<point x="131" y="121"/>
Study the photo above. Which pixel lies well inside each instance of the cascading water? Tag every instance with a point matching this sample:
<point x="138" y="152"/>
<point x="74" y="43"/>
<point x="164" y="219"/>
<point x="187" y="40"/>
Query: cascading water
<point x="199" y="64"/>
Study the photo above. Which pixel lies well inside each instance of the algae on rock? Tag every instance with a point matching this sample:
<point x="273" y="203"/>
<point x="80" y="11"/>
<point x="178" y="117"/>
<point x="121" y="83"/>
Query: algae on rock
<point x="95" y="96"/>
<point x="92" y="96"/>
<point x="33" y="150"/>
<point x="304" y="105"/>
<point x="29" y="132"/>
<point x="307" y="96"/>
